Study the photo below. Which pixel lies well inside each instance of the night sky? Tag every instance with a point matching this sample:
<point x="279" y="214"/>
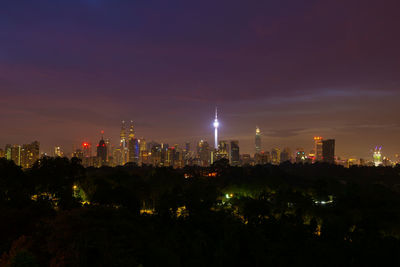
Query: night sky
<point x="69" y="69"/>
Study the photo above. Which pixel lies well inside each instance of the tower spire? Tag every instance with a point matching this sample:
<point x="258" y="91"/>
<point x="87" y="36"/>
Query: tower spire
<point x="216" y="125"/>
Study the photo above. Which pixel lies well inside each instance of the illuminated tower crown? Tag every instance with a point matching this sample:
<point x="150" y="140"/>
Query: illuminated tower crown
<point x="258" y="140"/>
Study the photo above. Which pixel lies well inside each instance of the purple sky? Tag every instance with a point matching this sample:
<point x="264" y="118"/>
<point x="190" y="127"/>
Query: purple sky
<point x="69" y="69"/>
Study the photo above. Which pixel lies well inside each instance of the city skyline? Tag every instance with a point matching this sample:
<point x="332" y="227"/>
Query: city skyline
<point x="126" y="144"/>
<point x="295" y="69"/>
<point x="200" y="133"/>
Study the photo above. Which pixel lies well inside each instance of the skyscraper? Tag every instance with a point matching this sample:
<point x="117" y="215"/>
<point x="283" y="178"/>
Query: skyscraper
<point x="87" y="154"/>
<point x="133" y="146"/>
<point x="328" y="151"/>
<point x="186" y="154"/>
<point x="223" y="150"/>
<point x="102" y="152"/>
<point x="109" y="150"/>
<point x="318" y="148"/>
<point x="203" y="153"/>
<point x="156" y="154"/>
<point x="30" y="153"/>
<point x="216" y="125"/>
<point x="301" y="155"/>
<point x="235" y="156"/>
<point x="58" y="152"/>
<point x="170" y="157"/>
<point x="377" y="156"/>
<point x="143" y="153"/>
<point x="258" y="140"/>
<point x="286" y="155"/>
<point x="13" y="152"/>
<point x="86" y="149"/>
<point x="276" y="156"/>
<point x="123" y="145"/>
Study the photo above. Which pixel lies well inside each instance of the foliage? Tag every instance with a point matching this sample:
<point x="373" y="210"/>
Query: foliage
<point x="244" y="216"/>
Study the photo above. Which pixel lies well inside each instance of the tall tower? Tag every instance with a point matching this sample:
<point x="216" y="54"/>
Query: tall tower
<point x="328" y="151"/>
<point x="216" y="125"/>
<point x="258" y="140"/>
<point x="235" y="156"/>
<point x="102" y="151"/>
<point x="133" y="145"/>
<point x="131" y="134"/>
<point x="318" y="148"/>
<point x="377" y="156"/>
<point x="123" y="145"/>
<point x="123" y="133"/>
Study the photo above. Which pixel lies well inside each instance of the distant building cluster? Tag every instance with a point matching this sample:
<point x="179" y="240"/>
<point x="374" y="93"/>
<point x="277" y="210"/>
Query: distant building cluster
<point x="23" y="155"/>
<point x="323" y="151"/>
<point x="131" y="149"/>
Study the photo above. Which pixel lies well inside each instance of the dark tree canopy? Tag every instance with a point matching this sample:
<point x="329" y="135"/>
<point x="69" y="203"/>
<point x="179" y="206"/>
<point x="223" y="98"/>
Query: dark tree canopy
<point x="61" y="214"/>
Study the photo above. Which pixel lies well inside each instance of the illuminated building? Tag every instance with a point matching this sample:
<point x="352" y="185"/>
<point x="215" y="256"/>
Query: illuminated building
<point x="216" y="125"/>
<point x="78" y="153"/>
<point x="164" y="150"/>
<point x="328" y="151"/>
<point x="377" y="156"/>
<point x="170" y="157"/>
<point x="352" y="162"/>
<point x="286" y="155"/>
<point x="223" y="151"/>
<point x="204" y="153"/>
<point x="186" y="154"/>
<point x="187" y="147"/>
<point x="2" y="153"/>
<point x="123" y="145"/>
<point x="86" y="149"/>
<point x="117" y="156"/>
<point x="387" y="162"/>
<point x="142" y="144"/>
<point x="258" y="140"/>
<point x="311" y="155"/>
<point x="109" y="150"/>
<point x="156" y="154"/>
<point x="7" y="152"/>
<point x="301" y="156"/>
<point x="276" y="156"/>
<point x="87" y="160"/>
<point x="30" y="154"/>
<point x="102" y="152"/>
<point x="178" y="158"/>
<point x="318" y="141"/>
<point x="13" y="152"/>
<point x="235" y="156"/>
<point x="133" y="146"/>
<point x="58" y="152"/>
<point x="143" y="152"/>
<point x="397" y="158"/>
<point x="145" y="157"/>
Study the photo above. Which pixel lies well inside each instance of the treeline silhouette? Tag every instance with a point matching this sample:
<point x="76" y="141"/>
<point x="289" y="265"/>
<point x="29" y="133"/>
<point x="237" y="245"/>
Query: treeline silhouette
<point x="59" y="213"/>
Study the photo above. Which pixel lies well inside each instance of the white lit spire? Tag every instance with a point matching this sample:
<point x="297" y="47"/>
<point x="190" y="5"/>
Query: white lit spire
<point x="216" y="125"/>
